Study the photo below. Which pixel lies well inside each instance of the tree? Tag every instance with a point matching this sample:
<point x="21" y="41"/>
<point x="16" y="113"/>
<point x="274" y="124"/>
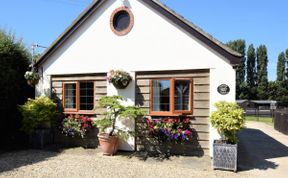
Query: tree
<point x="287" y="64"/>
<point x="251" y="66"/>
<point x="14" y="61"/>
<point x="281" y="67"/>
<point x="240" y="47"/>
<point x="262" y="74"/>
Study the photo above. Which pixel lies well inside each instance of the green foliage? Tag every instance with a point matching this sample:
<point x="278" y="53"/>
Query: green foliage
<point x="116" y="75"/>
<point x="262" y="62"/>
<point x="281" y="93"/>
<point x="256" y="86"/>
<point x="281" y="67"/>
<point x="32" y="75"/>
<point x="103" y="124"/>
<point x="251" y="66"/>
<point x="36" y="112"/>
<point x="239" y="46"/>
<point x="286" y="53"/>
<point x="244" y="91"/>
<point x="116" y="110"/>
<point x="14" y="62"/>
<point x="272" y="90"/>
<point x="228" y="119"/>
<point x="267" y="120"/>
<point x="75" y="125"/>
<point x="278" y="91"/>
<point x="132" y="112"/>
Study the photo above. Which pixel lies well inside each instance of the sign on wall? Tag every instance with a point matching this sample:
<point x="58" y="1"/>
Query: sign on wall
<point x="223" y="89"/>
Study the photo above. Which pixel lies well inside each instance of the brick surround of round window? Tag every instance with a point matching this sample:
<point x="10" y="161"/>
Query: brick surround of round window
<point x="116" y="12"/>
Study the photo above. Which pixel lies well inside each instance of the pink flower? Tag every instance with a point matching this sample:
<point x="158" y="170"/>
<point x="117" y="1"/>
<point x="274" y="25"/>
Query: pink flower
<point x="85" y="125"/>
<point x="110" y="75"/>
<point x="187" y="132"/>
<point x="186" y="120"/>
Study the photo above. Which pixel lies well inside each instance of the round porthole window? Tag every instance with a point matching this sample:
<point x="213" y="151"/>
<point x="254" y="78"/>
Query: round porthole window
<point x="121" y="21"/>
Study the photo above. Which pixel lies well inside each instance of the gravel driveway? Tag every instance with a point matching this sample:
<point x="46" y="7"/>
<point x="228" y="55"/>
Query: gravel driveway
<point x="82" y="163"/>
<point x="263" y="153"/>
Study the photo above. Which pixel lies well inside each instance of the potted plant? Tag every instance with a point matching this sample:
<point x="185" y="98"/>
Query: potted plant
<point x="37" y="119"/>
<point x="170" y="129"/>
<point x="169" y="136"/>
<point x="76" y="126"/>
<point x="77" y="130"/>
<point x="119" y="78"/>
<point x="228" y="119"/>
<point x="109" y="132"/>
<point x="32" y="78"/>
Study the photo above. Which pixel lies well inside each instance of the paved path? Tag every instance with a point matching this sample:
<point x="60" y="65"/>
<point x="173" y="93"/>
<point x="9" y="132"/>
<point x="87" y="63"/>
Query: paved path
<point x="263" y="151"/>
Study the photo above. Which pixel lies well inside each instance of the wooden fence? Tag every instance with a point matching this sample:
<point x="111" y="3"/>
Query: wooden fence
<point x="281" y="121"/>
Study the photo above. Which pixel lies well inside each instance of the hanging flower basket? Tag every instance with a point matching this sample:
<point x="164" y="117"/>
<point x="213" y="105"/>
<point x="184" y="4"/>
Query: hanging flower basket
<point x="32" y="82"/>
<point x="120" y="79"/>
<point x="32" y="78"/>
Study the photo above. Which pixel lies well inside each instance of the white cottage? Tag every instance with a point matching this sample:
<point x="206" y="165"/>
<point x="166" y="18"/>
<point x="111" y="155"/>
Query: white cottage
<point x="156" y="46"/>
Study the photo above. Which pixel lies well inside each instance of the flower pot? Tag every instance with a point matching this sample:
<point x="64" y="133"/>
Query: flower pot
<point x="121" y="83"/>
<point x="108" y="144"/>
<point x="224" y="156"/>
<point x="32" y="83"/>
<point x="40" y="138"/>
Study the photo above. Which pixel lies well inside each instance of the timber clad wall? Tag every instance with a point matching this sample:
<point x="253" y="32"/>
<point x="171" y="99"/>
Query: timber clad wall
<point x="100" y="83"/>
<point x="200" y="104"/>
<point x="100" y="87"/>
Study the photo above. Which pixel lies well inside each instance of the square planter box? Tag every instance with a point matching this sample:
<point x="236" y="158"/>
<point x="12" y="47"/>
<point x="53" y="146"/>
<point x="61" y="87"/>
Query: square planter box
<point x="89" y="141"/>
<point x="40" y="138"/>
<point x="224" y="156"/>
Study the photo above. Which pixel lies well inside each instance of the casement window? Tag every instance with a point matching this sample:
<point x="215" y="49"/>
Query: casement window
<point x="172" y="96"/>
<point x="78" y="97"/>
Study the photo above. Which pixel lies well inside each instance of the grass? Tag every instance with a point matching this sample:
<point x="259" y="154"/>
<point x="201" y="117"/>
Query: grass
<point x="267" y="120"/>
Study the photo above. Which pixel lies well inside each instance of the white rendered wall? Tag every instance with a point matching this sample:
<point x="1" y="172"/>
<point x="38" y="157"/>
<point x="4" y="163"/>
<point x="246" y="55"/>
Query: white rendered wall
<point x="126" y="124"/>
<point x="153" y="44"/>
<point x="218" y="77"/>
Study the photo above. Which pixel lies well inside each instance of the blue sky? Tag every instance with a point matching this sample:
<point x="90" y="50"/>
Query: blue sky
<point x="258" y="22"/>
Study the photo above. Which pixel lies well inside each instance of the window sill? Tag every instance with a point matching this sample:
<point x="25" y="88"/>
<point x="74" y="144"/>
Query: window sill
<point x="80" y="112"/>
<point x="170" y="114"/>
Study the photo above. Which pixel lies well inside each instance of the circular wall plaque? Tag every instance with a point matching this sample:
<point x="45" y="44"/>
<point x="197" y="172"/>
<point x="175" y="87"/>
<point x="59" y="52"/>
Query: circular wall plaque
<point x="223" y="89"/>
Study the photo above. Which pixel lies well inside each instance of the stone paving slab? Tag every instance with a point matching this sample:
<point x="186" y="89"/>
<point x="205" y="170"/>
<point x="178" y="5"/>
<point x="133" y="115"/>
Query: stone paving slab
<point x="263" y="151"/>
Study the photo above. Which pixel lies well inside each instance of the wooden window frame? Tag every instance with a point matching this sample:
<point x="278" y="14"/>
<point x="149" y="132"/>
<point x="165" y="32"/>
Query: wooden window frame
<point x="63" y="97"/>
<point x="172" y="111"/>
<point x="77" y="110"/>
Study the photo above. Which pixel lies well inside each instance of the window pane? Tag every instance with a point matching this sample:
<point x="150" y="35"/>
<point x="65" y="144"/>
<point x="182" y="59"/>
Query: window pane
<point x="70" y="95"/>
<point x="121" y="21"/>
<point x="181" y="95"/>
<point x="86" y="95"/>
<point x="161" y="95"/>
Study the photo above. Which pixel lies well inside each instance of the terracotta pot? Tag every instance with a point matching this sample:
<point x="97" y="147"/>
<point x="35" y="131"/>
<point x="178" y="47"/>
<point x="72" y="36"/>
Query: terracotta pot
<point x="108" y="144"/>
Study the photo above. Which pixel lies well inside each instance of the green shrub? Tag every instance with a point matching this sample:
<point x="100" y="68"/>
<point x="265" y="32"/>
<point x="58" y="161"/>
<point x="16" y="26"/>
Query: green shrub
<point x="36" y="112"/>
<point x="116" y="110"/>
<point x="228" y="120"/>
<point x="14" y="61"/>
